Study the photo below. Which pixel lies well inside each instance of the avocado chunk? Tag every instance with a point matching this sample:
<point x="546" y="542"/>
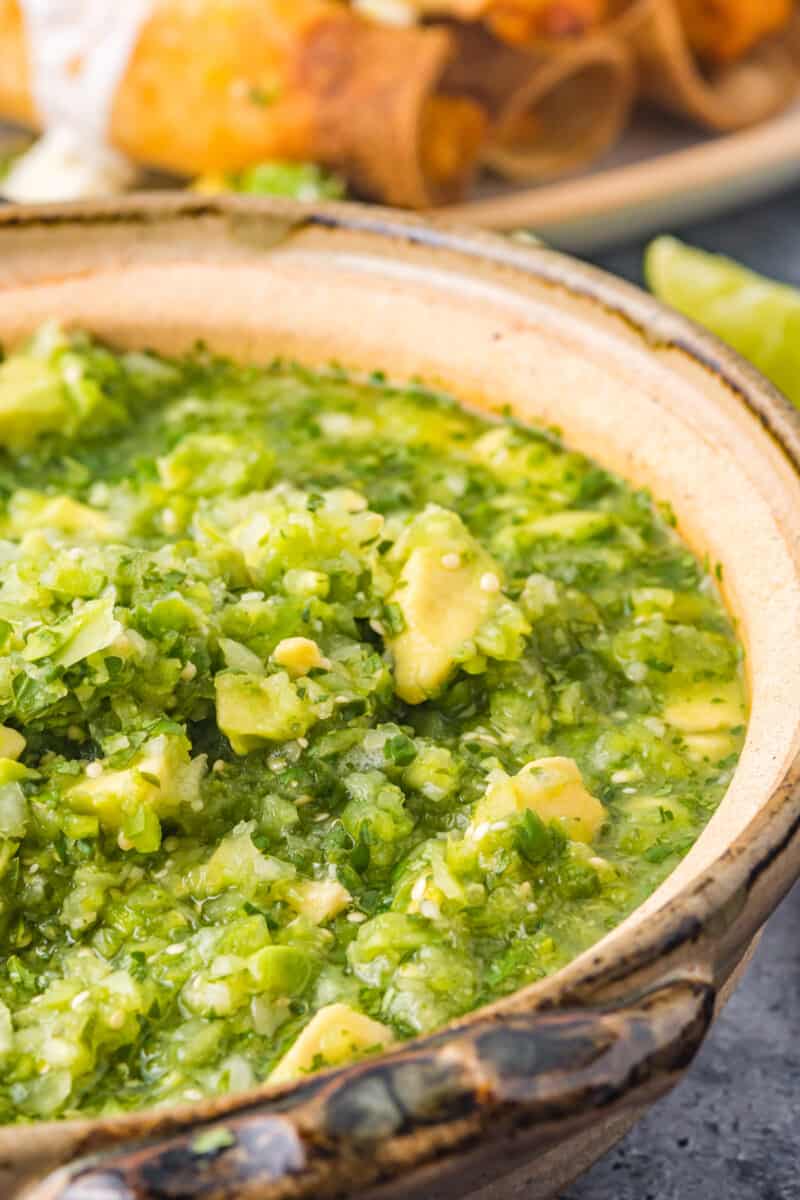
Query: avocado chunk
<point x="333" y="1035"/>
<point x="33" y="401"/>
<point x="237" y="863"/>
<point x="299" y="655"/>
<point x="707" y="716"/>
<point x="707" y="708"/>
<point x="12" y="743"/>
<point x="553" y="788"/>
<point x="448" y="588"/>
<point x="319" y="900"/>
<point x="133" y="800"/>
<point x="253" y="710"/>
<point x="32" y="510"/>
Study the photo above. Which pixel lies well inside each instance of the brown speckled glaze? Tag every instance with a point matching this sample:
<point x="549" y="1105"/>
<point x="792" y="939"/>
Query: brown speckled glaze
<point x="519" y="1074"/>
<point x="551" y="1075"/>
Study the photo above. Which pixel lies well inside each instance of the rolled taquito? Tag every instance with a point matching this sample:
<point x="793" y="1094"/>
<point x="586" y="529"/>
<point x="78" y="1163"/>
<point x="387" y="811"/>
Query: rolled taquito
<point x="521" y="22"/>
<point x="551" y="110"/>
<point x="729" y="29"/>
<point x="216" y="85"/>
<point x="726" y="95"/>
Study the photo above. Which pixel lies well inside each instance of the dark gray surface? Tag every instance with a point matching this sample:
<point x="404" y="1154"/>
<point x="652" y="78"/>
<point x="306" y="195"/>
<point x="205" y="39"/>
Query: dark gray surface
<point x="731" y="1130"/>
<point x="766" y="237"/>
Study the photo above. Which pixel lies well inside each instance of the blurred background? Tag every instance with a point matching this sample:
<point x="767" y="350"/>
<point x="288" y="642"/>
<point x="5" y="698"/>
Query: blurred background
<point x="586" y="121"/>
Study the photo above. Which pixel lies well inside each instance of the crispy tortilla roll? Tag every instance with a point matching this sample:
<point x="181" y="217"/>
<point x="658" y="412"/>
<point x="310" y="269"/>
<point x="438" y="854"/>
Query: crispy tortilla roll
<point x="572" y="107"/>
<point x="552" y="110"/>
<point x="724" y="30"/>
<point x="522" y="22"/>
<point x="723" y="97"/>
<point x="215" y="85"/>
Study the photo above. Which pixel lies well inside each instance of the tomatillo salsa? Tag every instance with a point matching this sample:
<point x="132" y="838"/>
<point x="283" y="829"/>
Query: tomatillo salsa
<point x="330" y="711"/>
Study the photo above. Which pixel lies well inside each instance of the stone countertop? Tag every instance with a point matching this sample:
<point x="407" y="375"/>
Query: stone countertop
<point x="731" y="1130"/>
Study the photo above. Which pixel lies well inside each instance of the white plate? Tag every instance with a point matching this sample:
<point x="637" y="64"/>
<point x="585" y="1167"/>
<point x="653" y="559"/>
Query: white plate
<point x="662" y="174"/>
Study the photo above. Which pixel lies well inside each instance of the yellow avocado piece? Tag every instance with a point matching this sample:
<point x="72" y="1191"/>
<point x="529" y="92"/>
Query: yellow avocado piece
<point x="708" y="708"/>
<point x="553" y="788"/>
<point x="12" y="743"/>
<point x="709" y="747"/>
<point x="252" y="710"/>
<point x="298" y="655"/>
<point x="31" y="510"/>
<point x="333" y="1035"/>
<point x="319" y="900"/>
<point x="162" y="777"/>
<point x="33" y="401"/>
<point x="448" y="587"/>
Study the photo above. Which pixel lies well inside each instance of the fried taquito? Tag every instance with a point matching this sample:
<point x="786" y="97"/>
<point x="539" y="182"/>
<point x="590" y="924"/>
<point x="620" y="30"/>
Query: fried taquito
<point x="215" y="85"/>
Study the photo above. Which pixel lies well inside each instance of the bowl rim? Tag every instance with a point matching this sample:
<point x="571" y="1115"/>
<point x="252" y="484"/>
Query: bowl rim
<point x="713" y="913"/>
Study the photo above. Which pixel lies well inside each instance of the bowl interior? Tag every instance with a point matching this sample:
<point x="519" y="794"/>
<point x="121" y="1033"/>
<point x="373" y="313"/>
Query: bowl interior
<point x="558" y="343"/>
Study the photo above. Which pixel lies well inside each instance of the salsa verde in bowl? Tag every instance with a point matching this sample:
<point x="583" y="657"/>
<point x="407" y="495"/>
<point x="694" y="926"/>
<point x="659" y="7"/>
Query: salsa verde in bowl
<point x="332" y="712"/>
<point x="336" y="711"/>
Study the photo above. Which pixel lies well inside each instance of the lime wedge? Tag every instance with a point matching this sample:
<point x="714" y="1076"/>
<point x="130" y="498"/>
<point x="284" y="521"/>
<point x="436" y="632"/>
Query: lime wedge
<point x="756" y="316"/>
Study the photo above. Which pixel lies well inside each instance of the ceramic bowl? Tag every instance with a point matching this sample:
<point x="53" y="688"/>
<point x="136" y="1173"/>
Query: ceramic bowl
<point x="524" y="1094"/>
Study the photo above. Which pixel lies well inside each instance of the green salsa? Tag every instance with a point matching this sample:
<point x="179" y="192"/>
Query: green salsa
<point x="330" y="711"/>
